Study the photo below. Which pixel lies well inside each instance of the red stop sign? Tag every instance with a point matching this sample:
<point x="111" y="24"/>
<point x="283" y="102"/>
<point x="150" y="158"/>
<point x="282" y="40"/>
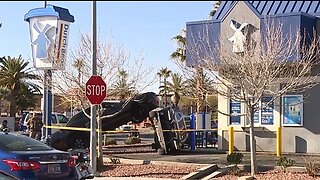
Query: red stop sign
<point x="96" y="89"/>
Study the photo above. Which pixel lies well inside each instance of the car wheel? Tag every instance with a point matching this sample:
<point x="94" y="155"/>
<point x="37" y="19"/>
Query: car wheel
<point x="161" y="151"/>
<point x="78" y="143"/>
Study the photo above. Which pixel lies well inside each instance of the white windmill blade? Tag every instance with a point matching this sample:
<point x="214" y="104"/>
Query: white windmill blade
<point x="243" y="25"/>
<point x="51" y="38"/>
<point x="233" y="26"/>
<point x="36" y="26"/>
<point x="46" y="28"/>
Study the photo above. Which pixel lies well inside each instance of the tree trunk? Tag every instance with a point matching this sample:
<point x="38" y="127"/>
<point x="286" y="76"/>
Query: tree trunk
<point x="176" y="99"/>
<point x="165" y="93"/>
<point x="13" y="107"/>
<point x="200" y="98"/>
<point x="252" y="143"/>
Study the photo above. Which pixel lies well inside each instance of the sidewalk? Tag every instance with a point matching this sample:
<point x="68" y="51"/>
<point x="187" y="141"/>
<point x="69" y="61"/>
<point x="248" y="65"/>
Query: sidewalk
<point x="129" y="178"/>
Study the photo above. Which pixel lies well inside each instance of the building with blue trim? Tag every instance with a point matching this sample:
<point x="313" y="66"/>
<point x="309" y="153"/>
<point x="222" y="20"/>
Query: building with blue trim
<point x="300" y="124"/>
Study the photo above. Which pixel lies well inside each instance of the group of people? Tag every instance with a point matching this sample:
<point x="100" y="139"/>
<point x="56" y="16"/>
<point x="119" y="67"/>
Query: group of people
<point x="34" y="125"/>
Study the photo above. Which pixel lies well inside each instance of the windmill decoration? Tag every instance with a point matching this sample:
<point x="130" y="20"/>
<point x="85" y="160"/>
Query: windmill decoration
<point x="49" y="32"/>
<point x="43" y="40"/>
<point x="242" y="37"/>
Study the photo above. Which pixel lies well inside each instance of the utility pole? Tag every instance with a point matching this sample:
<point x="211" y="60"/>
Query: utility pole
<point x="93" y="123"/>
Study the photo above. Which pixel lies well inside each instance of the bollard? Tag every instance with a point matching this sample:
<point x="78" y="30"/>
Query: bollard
<point x="203" y="138"/>
<point x="231" y="139"/>
<point x="279" y="141"/>
<point x="192" y="133"/>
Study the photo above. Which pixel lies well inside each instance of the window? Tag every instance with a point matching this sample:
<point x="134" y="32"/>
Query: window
<point x="264" y="114"/>
<point x="267" y="110"/>
<point x="62" y="118"/>
<point x="292" y="110"/>
<point x="235" y="112"/>
<point x="53" y="119"/>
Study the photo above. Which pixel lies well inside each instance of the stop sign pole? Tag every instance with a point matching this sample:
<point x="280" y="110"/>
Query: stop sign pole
<point x="93" y="122"/>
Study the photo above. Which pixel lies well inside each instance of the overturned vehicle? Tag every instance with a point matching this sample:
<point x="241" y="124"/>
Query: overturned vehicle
<point x="116" y="114"/>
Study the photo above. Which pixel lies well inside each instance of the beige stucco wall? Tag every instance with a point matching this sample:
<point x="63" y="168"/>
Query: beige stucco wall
<point x="303" y="139"/>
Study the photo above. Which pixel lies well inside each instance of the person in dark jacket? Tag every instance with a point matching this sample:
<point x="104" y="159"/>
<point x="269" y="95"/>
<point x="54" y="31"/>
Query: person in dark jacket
<point x="34" y="125"/>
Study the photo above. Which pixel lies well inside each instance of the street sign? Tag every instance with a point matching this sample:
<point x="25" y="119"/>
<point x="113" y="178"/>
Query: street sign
<point x="96" y="89"/>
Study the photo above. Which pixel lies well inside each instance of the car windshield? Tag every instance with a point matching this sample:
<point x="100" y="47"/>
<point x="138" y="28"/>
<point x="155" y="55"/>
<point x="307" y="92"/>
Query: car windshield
<point x="15" y="142"/>
<point x="62" y="118"/>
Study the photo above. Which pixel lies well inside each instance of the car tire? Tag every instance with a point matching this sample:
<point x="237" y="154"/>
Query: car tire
<point x="161" y="151"/>
<point x="78" y="142"/>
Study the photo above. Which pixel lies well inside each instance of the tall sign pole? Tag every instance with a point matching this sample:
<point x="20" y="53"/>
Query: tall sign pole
<point x="49" y="26"/>
<point x="45" y="100"/>
<point x="93" y="123"/>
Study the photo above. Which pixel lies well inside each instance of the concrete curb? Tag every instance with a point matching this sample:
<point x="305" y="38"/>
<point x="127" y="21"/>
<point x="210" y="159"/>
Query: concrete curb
<point x="200" y="173"/>
<point x="245" y="167"/>
<point x="136" y="161"/>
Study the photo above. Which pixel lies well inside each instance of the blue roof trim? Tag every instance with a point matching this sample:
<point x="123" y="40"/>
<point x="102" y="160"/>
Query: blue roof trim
<point x="37" y="12"/>
<point x="63" y="14"/>
<point x="289" y="14"/>
<point x="50" y="10"/>
<point x="264" y="8"/>
<point x="202" y="22"/>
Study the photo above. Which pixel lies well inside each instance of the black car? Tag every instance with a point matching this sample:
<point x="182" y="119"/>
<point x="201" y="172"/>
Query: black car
<point x="115" y="114"/>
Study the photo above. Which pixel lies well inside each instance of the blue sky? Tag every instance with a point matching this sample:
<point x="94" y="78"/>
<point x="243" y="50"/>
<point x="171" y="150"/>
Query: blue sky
<point x="138" y="26"/>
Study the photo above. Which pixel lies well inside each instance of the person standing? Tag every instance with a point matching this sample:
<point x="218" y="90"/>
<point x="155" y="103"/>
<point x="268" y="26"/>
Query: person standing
<point x="34" y="125"/>
<point x="4" y="126"/>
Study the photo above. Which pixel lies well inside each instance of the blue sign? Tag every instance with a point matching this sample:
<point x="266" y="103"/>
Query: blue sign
<point x="235" y="112"/>
<point x="256" y="116"/>
<point x="267" y="110"/>
<point x="292" y="110"/>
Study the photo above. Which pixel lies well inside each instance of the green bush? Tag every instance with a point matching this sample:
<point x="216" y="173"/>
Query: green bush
<point x="132" y="140"/>
<point x="285" y="162"/>
<point x="110" y="141"/>
<point x="234" y="158"/>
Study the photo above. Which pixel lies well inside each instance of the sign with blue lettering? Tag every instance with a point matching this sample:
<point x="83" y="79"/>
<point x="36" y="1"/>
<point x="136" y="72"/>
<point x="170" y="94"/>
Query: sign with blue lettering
<point x="267" y="110"/>
<point x="235" y="112"/>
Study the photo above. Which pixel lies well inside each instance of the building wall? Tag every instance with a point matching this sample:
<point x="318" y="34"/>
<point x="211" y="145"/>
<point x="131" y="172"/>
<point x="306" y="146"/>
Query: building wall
<point x="300" y="139"/>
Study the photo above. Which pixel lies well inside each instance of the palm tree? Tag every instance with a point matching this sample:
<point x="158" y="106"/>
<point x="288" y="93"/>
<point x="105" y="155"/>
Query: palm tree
<point x="14" y="74"/>
<point x="164" y="88"/>
<point x="26" y="98"/>
<point x="122" y="88"/>
<point x="180" y="53"/>
<point x="79" y="64"/>
<point x="177" y="87"/>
